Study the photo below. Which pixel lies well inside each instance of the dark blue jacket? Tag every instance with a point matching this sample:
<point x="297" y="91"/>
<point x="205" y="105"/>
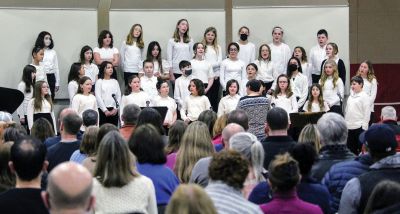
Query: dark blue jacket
<point x="308" y="190"/>
<point x="339" y="174"/>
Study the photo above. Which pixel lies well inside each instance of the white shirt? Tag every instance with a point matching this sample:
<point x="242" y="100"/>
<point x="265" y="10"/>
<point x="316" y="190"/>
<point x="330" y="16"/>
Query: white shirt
<point x="40" y="74"/>
<point x="280" y="55"/>
<point x="287" y="103"/>
<point x="357" y="113"/>
<point x="315" y="107"/>
<point x="106" y="54"/>
<point x="232" y="70"/>
<point x="81" y="103"/>
<point x="317" y="55"/>
<point x="50" y="64"/>
<point x="170" y="104"/>
<point x="227" y="104"/>
<point x="178" y="51"/>
<point x="91" y="71"/>
<point x="193" y="106"/>
<point x="300" y="88"/>
<point x="140" y="98"/>
<point x="72" y="90"/>
<point x="165" y="66"/>
<point x="104" y="91"/>
<point x="306" y="70"/>
<point x="214" y="57"/>
<point x="330" y="93"/>
<point x="201" y="70"/>
<point x="247" y="52"/>
<point x="149" y="85"/>
<point x="266" y="71"/>
<point x="46" y="108"/>
<point x="131" y="57"/>
<point x="21" y="111"/>
<point x="181" y="91"/>
<point x="371" y="88"/>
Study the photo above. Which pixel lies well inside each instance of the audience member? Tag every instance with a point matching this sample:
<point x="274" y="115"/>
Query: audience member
<point x="153" y="117"/>
<point x="240" y="117"/>
<point x="90" y="117"/>
<point x="389" y="117"/>
<point x="129" y="116"/>
<point x="390" y="192"/>
<point x="7" y="178"/>
<point x="175" y="135"/>
<point x="310" y="134"/>
<point x="208" y="117"/>
<point x="219" y="125"/>
<point x="14" y="133"/>
<point x="88" y="145"/>
<point x="42" y="129"/>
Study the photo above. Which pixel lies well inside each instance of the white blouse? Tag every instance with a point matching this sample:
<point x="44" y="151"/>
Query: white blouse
<point x="247" y="52"/>
<point x="131" y="57"/>
<point x="170" y="104"/>
<point x="227" y="104"/>
<point x="104" y="93"/>
<point x="81" y="103"/>
<point x="214" y="57"/>
<point x="306" y="70"/>
<point x="280" y="55"/>
<point x="50" y="64"/>
<point x="193" y="106"/>
<point x="46" y="108"/>
<point x="166" y="67"/>
<point x="266" y="70"/>
<point x="371" y="89"/>
<point x="40" y="73"/>
<point x="178" y="51"/>
<point x="181" y="91"/>
<point x="72" y="90"/>
<point x="149" y="85"/>
<point x="232" y="70"/>
<point x="22" y="109"/>
<point x="91" y="71"/>
<point x="332" y="94"/>
<point x="300" y="88"/>
<point x="201" y="70"/>
<point x="287" y="103"/>
<point x="106" y="54"/>
<point x="315" y="107"/>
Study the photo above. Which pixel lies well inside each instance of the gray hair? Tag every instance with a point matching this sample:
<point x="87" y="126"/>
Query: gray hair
<point x="388" y="112"/>
<point x="130" y="114"/>
<point x="247" y="145"/>
<point x="333" y="129"/>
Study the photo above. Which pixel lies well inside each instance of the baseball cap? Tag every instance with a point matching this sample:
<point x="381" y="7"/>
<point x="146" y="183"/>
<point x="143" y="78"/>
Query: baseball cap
<point x="379" y="138"/>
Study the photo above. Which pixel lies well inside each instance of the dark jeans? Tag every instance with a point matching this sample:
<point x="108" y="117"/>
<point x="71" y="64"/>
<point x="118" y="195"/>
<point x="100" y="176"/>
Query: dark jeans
<point x="336" y="109"/>
<point x="111" y="119"/>
<point x="315" y="78"/>
<point x="51" y="80"/>
<point x="352" y="140"/>
<point x="213" y="94"/>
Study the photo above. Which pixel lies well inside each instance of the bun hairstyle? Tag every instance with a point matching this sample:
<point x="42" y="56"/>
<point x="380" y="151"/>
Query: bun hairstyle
<point x="284" y="173"/>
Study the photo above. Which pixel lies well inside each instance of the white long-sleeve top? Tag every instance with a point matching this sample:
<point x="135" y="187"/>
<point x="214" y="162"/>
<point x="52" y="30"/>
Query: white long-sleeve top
<point x="317" y="55"/>
<point x="165" y="66"/>
<point x="357" y="113"/>
<point x="201" y="70"/>
<point x="140" y="98"/>
<point x="181" y="91"/>
<point x="170" y="104"/>
<point x="247" y="52"/>
<point x="106" y="54"/>
<point x="148" y="84"/>
<point x="300" y="88"/>
<point x="131" y="57"/>
<point x="193" y="106"/>
<point x="266" y="70"/>
<point x="50" y="64"/>
<point x="104" y="91"/>
<point x="214" y="57"/>
<point x="21" y="111"/>
<point x="178" y="51"/>
<point x="81" y="103"/>
<point x="72" y="90"/>
<point x="40" y="73"/>
<point x="232" y="70"/>
<point x="306" y="70"/>
<point x="91" y="71"/>
<point x="331" y="94"/>
<point x="46" y="108"/>
<point x="287" y="103"/>
<point x="371" y="88"/>
<point x="280" y="55"/>
<point x="227" y="104"/>
<point x="315" y="107"/>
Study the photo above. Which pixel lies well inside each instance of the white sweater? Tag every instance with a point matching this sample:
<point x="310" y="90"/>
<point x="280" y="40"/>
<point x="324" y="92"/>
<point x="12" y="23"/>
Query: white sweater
<point x="21" y="111"/>
<point x="227" y="104"/>
<point x="194" y="105"/>
<point x="214" y="57"/>
<point x="131" y="57"/>
<point x="331" y="94"/>
<point x="178" y="51"/>
<point x="266" y="71"/>
<point x="357" y="111"/>
<point x="104" y="91"/>
<point x="232" y="70"/>
<point x="46" y="108"/>
<point x="201" y="70"/>
<point x="247" y="52"/>
<point x="170" y="104"/>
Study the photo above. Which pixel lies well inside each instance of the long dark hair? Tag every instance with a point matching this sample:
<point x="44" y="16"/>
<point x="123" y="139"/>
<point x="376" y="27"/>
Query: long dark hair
<point x="149" y="55"/>
<point x="102" y="67"/>
<point x="40" y="40"/>
<point x="27" y="77"/>
<point x="82" y="55"/>
<point x="74" y="71"/>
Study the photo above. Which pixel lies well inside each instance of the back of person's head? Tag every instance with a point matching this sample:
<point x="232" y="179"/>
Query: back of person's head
<point x="195" y="144"/>
<point x="190" y="198"/>
<point x="219" y="125"/>
<point x="71" y="123"/>
<point x="332" y="129"/>
<point x="42" y="129"/>
<point x="229" y="131"/>
<point x="152" y="116"/>
<point x="208" y="117"/>
<point x="104" y="129"/>
<point x="240" y="117"/>
<point x="380" y="140"/>
<point x="310" y="134"/>
<point x="247" y="145"/>
<point x="130" y="114"/>
<point x="14" y="133"/>
<point x="89" y="140"/>
<point x="69" y="188"/>
<point x="277" y="119"/>
<point x="388" y="113"/>
<point x="115" y="164"/>
<point x="230" y="167"/>
<point x="90" y="117"/>
<point x="284" y="173"/>
<point x="7" y="178"/>
<point x="384" y="198"/>
<point x="305" y="155"/>
<point x="175" y="135"/>
<point x="28" y="156"/>
<point x="253" y="85"/>
<point x="147" y="145"/>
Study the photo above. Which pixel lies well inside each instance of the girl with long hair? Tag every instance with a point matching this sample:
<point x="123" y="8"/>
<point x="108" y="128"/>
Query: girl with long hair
<point x="332" y="86"/>
<point x="26" y="87"/>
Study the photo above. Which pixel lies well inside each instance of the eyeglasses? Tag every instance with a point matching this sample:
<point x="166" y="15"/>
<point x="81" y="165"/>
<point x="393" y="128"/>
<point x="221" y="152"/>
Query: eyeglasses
<point x="283" y="81"/>
<point x="233" y="49"/>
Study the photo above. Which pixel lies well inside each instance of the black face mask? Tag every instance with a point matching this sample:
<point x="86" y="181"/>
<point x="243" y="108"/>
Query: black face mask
<point x="188" y="72"/>
<point x="292" y="67"/>
<point x="243" y="37"/>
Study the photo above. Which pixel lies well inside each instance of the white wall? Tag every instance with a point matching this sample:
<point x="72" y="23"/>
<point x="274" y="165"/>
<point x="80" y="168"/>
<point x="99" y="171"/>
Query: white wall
<point x="71" y="29"/>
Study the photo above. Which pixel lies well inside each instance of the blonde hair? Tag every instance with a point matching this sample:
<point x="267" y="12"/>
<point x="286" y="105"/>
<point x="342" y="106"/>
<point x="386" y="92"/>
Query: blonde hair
<point x="214" y="43"/>
<point x="371" y="72"/>
<point x="186" y="37"/>
<point x="195" y="144"/>
<point x="190" y="198"/>
<point x="310" y="134"/>
<point x="335" y="74"/>
<point x="220" y="124"/>
<point x="139" y="40"/>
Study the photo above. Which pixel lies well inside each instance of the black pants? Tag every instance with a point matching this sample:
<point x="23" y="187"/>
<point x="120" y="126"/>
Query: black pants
<point x="126" y="77"/>
<point x="51" y="80"/>
<point x="315" y="78"/>
<point x="111" y="119"/>
<point x="352" y="140"/>
<point x="336" y="109"/>
<point x="213" y="94"/>
<point x="268" y="85"/>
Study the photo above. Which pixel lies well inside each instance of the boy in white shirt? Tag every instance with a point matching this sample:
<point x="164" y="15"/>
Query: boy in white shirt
<point x="317" y="55"/>
<point x="182" y="83"/>
<point x="149" y="81"/>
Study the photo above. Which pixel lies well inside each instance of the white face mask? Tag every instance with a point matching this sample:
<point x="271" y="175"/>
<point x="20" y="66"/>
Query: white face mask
<point x="47" y="42"/>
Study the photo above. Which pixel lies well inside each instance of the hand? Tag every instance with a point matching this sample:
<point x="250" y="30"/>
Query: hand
<point x="56" y="88"/>
<point x="187" y="120"/>
<point x="22" y="120"/>
<point x="107" y="113"/>
<point x="157" y="74"/>
<point x="114" y="112"/>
